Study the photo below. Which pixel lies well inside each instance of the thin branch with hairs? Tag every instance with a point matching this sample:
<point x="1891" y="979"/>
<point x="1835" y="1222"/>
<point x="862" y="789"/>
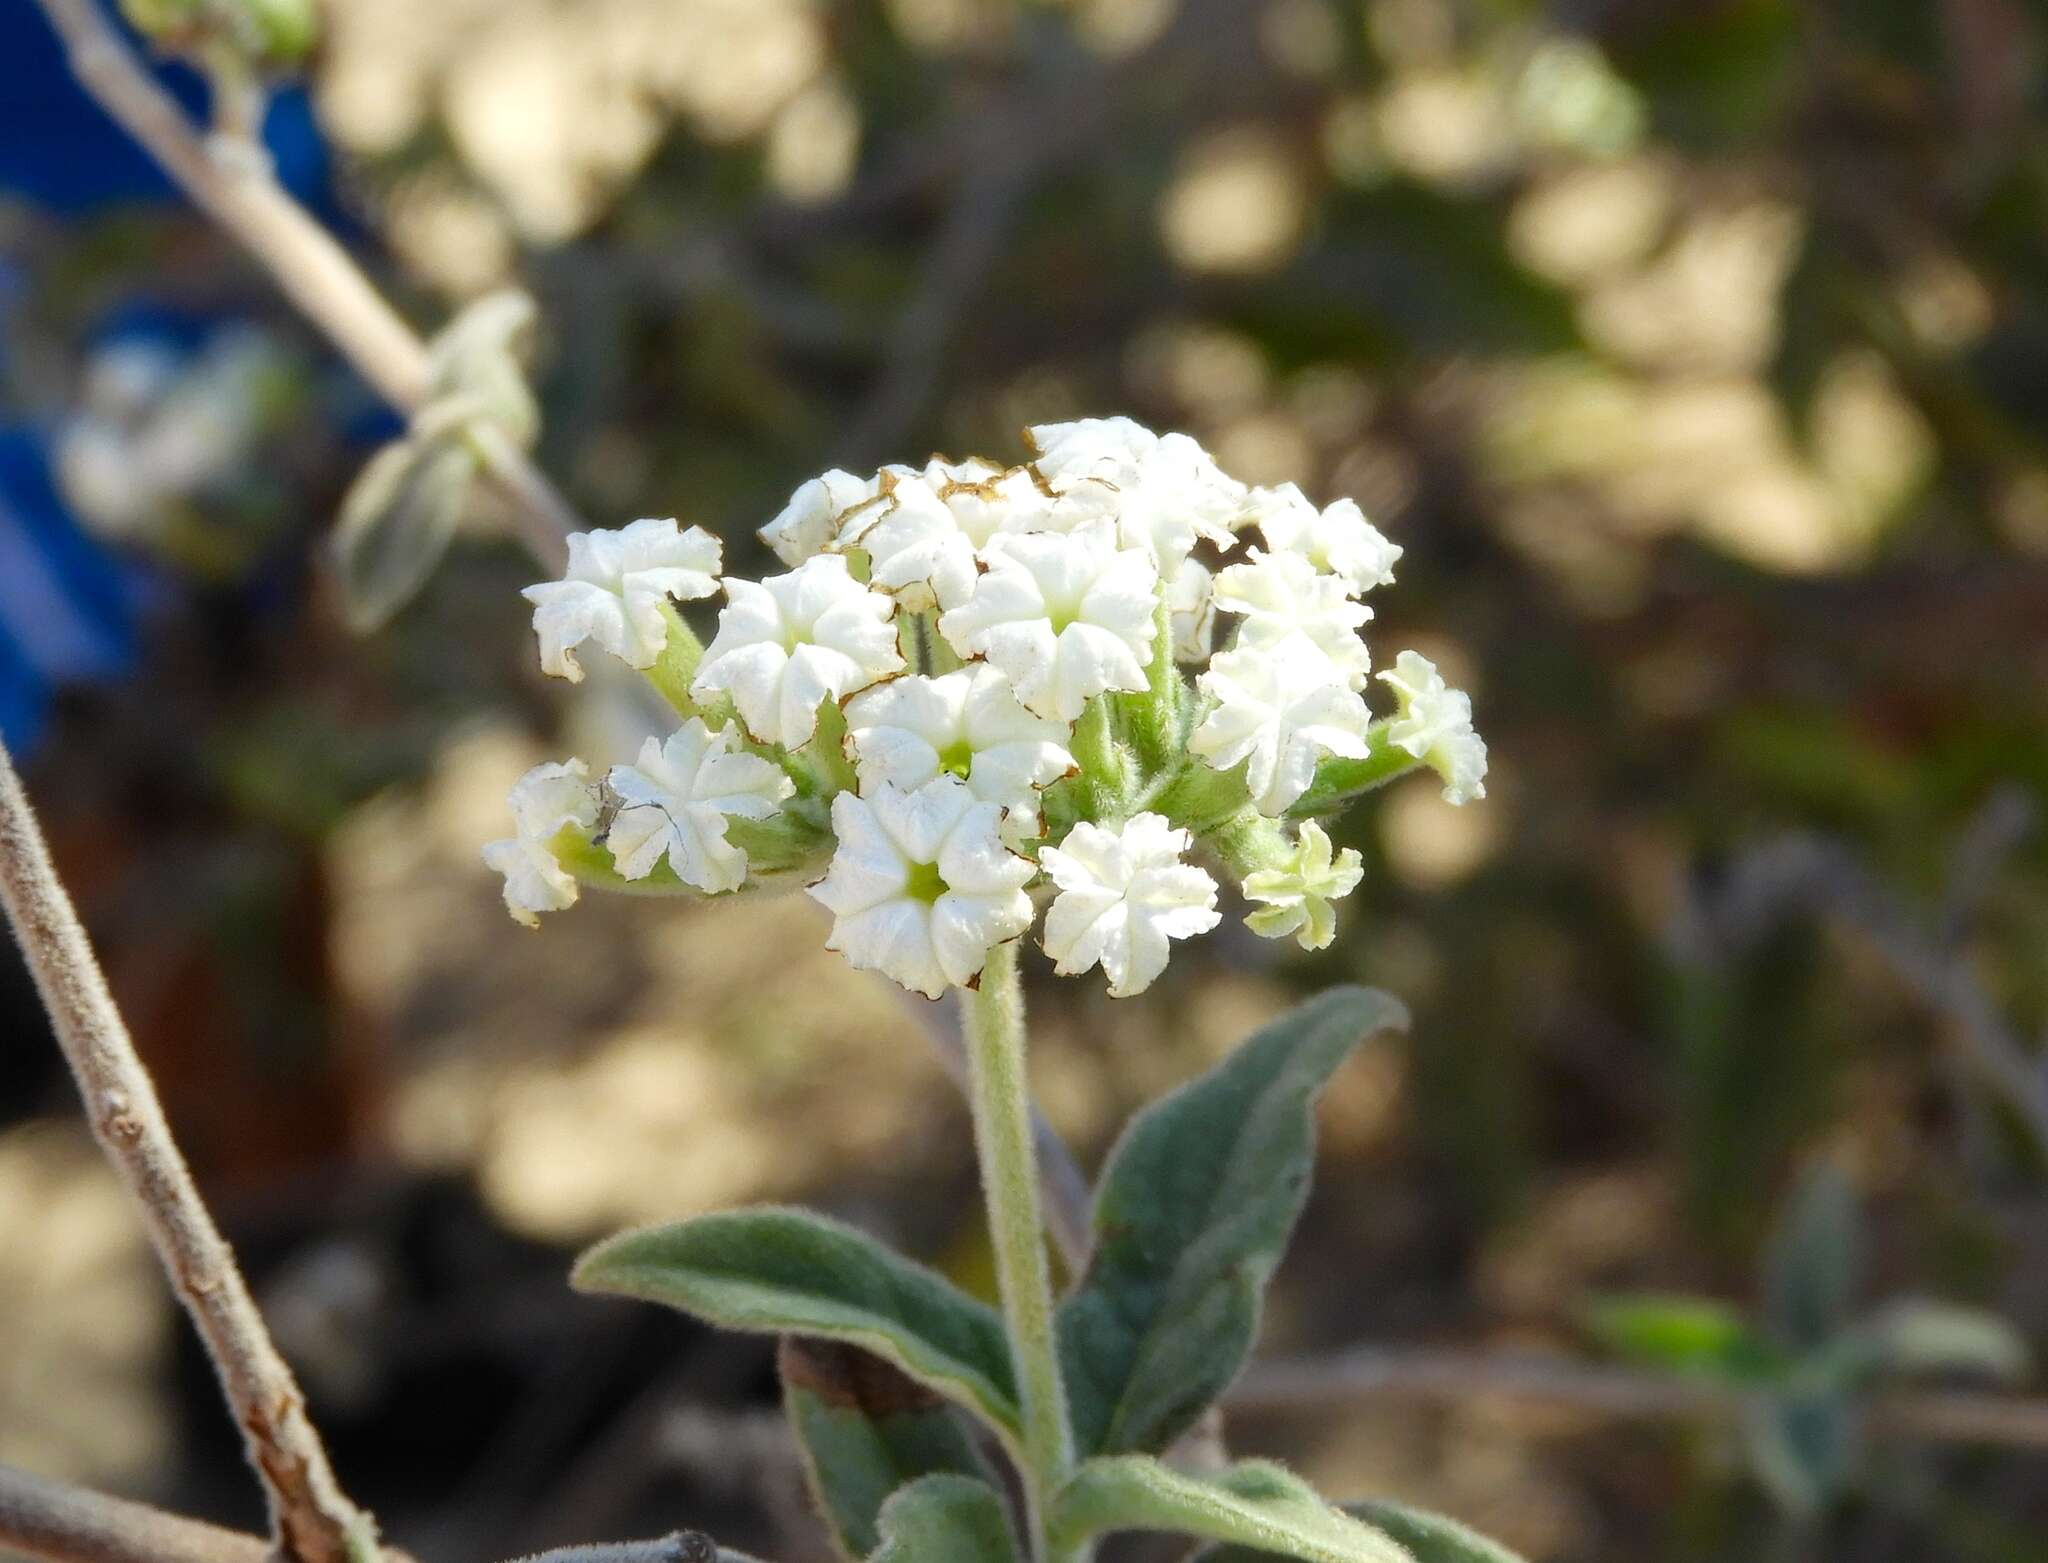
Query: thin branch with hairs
<point x="312" y="1521"/>
<point x="61" y="1523"/>
<point x="230" y="179"/>
<point x="65" y="1524"/>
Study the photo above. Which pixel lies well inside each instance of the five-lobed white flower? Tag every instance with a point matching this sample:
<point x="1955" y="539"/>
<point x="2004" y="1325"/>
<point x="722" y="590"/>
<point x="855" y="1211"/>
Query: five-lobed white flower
<point x="1065" y="615"/>
<point x="986" y="499"/>
<point x="1298" y="891"/>
<point x="804" y="527"/>
<point x="545" y="801"/>
<point x="967" y="724"/>
<point x="921" y="887"/>
<point x="1124" y="893"/>
<point x="1163" y="492"/>
<point x="614" y="590"/>
<point x="675" y="802"/>
<point x="917" y="549"/>
<point x="1282" y="709"/>
<point x="1337" y="538"/>
<point x="1435" y="725"/>
<point x="787" y="643"/>
<point x="1283" y="597"/>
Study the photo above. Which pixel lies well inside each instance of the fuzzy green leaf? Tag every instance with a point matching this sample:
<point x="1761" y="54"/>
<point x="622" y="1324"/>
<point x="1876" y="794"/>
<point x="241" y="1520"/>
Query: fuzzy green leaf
<point x="789" y="1272"/>
<point x="946" y="1519"/>
<point x="1919" y="1337"/>
<point x="1254" y="1505"/>
<point x="1194" y="1209"/>
<point x="1803" y="1448"/>
<point x="396" y="522"/>
<point x="865" y="1429"/>
<point x="1691" y="1335"/>
<point x="1815" y="1260"/>
<point x="1428" y="1536"/>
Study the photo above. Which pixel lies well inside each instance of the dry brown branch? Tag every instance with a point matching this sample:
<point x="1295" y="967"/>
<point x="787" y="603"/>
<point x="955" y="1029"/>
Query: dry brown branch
<point x="311" y="1518"/>
<point x="1419" y="1374"/>
<point x="231" y="180"/>
<point x="65" y="1524"/>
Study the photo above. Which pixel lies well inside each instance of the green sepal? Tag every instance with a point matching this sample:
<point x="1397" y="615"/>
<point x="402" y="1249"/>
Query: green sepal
<point x="776" y="1271"/>
<point x="1340" y="780"/>
<point x="1255" y="1505"/>
<point x="946" y="1519"/>
<point x="677" y="666"/>
<point x="866" y="1429"/>
<point x="1198" y="1200"/>
<point x="1201" y="798"/>
<point x="1151" y="722"/>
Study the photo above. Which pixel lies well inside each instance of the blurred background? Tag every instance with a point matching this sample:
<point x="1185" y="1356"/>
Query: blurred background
<point x="1696" y="351"/>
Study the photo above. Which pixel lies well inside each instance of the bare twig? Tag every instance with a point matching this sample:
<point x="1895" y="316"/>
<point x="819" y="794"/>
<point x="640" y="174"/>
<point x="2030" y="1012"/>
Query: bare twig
<point x="232" y="182"/>
<point x="64" y="1524"/>
<point x="1420" y="1374"/>
<point x="311" y="1519"/>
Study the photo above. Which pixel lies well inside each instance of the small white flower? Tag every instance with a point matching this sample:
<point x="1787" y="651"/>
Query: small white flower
<point x="1338" y="538"/>
<point x="917" y="549"/>
<point x="1123" y="895"/>
<point x="1298" y="891"/>
<point x="986" y="499"/>
<point x="791" y="641"/>
<point x="966" y="723"/>
<point x="1283" y="708"/>
<point x="1282" y="596"/>
<point x="1163" y="491"/>
<point x="1435" y="725"/>
<point x="807" y="524"/>
<point x="545" y="801"/>
<point x="921" y="887"/>
<point x="614" y="590"/>
<point x="1066" y="616"/>
<point x="1190" y="598"/>
<point x="674" y="803"/>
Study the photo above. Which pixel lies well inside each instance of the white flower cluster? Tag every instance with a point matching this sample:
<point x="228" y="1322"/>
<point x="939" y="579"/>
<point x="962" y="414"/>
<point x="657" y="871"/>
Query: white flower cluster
<point x="961" y="701"/>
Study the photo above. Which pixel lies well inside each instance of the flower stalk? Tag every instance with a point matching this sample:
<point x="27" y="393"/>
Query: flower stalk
<point x="1009" y="1176"/>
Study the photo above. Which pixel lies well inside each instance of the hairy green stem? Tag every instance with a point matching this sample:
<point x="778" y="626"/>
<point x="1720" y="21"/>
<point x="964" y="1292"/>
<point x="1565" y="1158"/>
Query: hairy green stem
<point x="1152" y="720"/>
<point x="677" y="665"/>
<point x="1339" y="780"/>
<point x="1009" y="1180"/>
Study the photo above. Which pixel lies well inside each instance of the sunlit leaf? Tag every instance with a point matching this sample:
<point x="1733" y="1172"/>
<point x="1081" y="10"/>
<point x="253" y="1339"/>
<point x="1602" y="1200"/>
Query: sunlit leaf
<point x="788" y="1272"/>
<point x="1194" y="1209"/>
<point x="1254" y="1505"/>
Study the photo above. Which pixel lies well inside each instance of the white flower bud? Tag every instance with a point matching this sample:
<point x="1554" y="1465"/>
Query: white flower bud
<point x="1298" y="891"/>
<point x="545" y="801"/>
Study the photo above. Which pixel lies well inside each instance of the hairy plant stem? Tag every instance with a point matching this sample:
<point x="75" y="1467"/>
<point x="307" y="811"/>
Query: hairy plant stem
<point x="312" y="1521"/>
<point x="1001" y="1097"/>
